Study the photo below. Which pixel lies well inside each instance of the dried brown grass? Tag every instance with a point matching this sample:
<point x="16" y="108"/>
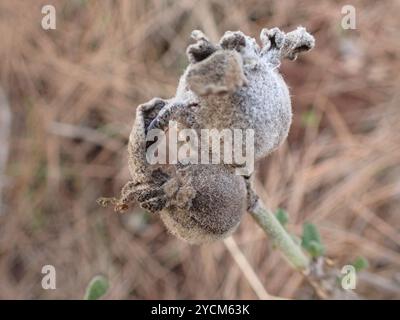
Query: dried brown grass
<point x="73" y="93"/>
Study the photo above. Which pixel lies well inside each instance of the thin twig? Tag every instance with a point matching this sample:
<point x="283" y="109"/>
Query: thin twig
<point x="247" y="269"/>
<point x="318" y="272"/>
<point x="88" y="134"/>
<point x="281" y="238"/>
<point x="5" y="136"/>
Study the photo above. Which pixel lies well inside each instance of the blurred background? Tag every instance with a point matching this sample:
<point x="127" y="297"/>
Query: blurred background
<point x="67" y="103"/>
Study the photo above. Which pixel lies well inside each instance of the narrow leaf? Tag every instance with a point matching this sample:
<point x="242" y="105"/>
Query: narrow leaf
<point x="97" y="287"/>
<point x="282" y="216"/>
<point x="311" y="240"/>
<point x="360" y="263"/>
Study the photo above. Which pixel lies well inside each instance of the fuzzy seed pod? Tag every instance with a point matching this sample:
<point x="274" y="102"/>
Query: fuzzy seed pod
<point x="198" y="203"/>
<point x="234" y="84"/>
<point x="237" y="84"/>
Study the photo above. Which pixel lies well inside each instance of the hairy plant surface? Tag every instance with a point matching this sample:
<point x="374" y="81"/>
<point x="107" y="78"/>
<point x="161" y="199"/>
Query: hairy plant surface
<point x="73" y="92"/>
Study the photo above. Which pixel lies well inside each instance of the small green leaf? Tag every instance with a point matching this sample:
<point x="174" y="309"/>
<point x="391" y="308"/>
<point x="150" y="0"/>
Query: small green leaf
<point x="315" y="249"/>
<point x="309" y="118"/>
<point x="97" y="287"/>
<point x="311" y="240"/>
<point x="282" y="216"/>
<point x="360" y="263"/>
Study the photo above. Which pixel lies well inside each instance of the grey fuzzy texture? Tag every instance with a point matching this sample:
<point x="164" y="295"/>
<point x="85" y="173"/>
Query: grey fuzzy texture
<point x="234" y="84"/>
<point x="193" y="200"/>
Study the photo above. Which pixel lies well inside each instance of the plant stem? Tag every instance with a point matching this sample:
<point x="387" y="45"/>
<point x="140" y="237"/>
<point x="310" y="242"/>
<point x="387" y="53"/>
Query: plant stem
<point x="247" y="269"/>
<point x="281" y="238"/>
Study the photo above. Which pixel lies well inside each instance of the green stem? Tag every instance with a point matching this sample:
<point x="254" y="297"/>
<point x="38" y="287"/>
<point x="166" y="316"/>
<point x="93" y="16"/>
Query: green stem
<point x="281" y="238"/>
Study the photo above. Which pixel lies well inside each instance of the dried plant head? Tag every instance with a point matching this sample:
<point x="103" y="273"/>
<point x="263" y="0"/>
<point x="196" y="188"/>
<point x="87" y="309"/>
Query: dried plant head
<point x="234" y="84"/>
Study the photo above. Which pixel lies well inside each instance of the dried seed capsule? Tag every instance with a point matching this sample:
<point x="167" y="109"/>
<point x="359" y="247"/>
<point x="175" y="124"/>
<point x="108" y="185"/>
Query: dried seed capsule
<point x="198" y="203"/>
<point x="232" y="85"/>
<point x="237" y="84"/>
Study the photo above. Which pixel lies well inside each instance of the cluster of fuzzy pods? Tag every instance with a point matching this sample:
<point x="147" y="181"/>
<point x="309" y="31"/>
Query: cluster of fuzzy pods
<point x="232" y="84"/>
